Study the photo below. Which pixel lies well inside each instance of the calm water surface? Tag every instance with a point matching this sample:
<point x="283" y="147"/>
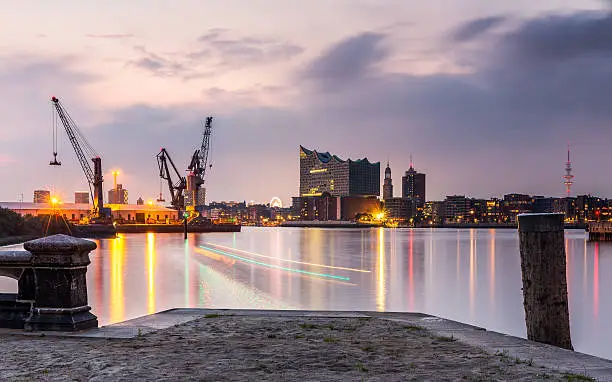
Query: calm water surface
<point x="471" y="276"/>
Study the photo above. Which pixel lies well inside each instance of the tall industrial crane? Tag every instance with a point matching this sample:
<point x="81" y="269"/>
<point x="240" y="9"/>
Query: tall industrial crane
<point x="176" y="187"/>
<point x="81" y="148"/>
<point x="199" y="159"/>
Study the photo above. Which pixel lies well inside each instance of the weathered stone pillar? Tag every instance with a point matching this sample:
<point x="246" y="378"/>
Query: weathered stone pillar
<point x="16" y="307"/>
<point x="544" y="279"/>
<point x="59" y="264"/>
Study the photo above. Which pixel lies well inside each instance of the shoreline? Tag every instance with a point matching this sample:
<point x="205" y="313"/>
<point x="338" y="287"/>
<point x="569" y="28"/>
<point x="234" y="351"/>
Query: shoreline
<point x="226" y="344"/>
<point x="11" y="240"/>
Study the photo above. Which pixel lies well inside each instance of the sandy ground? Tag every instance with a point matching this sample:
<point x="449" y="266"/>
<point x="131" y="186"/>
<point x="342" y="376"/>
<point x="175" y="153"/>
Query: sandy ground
<point x="233" y="348"/>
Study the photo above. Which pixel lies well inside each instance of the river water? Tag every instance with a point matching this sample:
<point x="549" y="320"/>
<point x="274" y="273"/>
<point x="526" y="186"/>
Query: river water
<point x="468" y="275"/>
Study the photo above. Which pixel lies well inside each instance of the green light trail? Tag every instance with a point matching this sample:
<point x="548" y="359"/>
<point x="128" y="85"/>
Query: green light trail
<point x="276" y="266"/>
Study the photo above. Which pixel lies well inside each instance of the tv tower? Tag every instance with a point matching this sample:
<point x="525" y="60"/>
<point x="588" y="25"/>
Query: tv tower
<point x="568" y="173"/>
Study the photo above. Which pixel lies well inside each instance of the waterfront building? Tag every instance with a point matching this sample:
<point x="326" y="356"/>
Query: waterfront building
<point x="81" y="197"/>
<point x="566" y="206"/>
<point x="324" y="172"/>
<point x="591" y="208"/>
<point x="195" y="198"/>
<point x="256" y="214"/>
<point x="541" y="204"/>
<point x="387" y="184"/>
<point x="457" y="207"/>
<point x="515" y="204"/>
<point x="142" y="213"/>
<point x="478" y="211"/>
<point x="322" y="208"/>
<point x="118" y="195"/>
<point x="353" y="206"/>
<point x="74" y="212"/>
<point x="434" y="212"/>
<point x="42" y="196"/>
<point x="70" y="211"/>
<point x="399" y="209"/>
<point x="413" y="187"/>
<point x="494" y="211"/>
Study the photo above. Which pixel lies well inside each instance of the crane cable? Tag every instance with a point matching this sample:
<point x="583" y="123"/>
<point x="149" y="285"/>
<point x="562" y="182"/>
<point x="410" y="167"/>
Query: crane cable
<point x="54" y="130"/>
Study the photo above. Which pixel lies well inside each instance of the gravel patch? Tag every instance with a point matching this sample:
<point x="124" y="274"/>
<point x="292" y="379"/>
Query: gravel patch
<point x="251" y="348"/>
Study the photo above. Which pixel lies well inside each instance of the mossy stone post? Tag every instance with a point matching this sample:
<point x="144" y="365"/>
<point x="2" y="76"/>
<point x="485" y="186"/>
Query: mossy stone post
<point x="544" y="279"/>
<point x="59" y="264"/>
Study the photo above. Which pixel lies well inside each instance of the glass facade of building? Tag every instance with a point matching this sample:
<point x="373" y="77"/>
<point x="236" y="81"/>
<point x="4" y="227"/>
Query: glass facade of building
<point x="325" y="173"/>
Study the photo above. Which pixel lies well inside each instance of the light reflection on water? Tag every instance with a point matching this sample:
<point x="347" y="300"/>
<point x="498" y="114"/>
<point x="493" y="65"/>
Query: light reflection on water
<point x="471" y="276"/>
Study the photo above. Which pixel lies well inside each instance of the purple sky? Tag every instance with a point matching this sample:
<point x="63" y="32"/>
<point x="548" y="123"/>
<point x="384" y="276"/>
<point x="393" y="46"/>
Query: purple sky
<point x="484" y="94"/>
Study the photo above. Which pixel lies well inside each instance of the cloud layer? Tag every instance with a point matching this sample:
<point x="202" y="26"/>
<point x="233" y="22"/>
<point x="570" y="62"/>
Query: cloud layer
<point x="501" y="124"/>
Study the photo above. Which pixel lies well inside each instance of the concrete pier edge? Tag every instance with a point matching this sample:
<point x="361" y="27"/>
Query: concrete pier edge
<point x="518" y="349"/>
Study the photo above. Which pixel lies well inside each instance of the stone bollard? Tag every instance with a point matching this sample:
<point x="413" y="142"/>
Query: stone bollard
<point x="544" y="279"/>
<point x="59" y="264"/>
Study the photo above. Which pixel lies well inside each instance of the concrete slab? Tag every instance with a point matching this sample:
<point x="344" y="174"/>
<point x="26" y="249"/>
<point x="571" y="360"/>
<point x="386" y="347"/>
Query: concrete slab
<point x="517" y="349"/>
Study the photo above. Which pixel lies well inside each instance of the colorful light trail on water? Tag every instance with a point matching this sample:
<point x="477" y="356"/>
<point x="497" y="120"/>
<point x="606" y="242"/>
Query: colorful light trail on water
<point x="295" y="270"/>
<point x="288" y="260"/>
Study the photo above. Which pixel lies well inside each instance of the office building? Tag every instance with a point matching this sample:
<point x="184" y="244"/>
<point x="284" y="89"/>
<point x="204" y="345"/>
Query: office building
<point x="456" y="208"/>
<point x="81" y="197"/>
<point x="326" y="173"/>
<point x="118" y="195"/>
<point x="42" y="196"/>
<point x="195" y="198"/>
<point x="399" y="209"/>
<point x="413" y="187"/>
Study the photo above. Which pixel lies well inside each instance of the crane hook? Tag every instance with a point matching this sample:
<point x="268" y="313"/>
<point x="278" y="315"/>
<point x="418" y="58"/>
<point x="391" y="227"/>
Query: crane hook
<point x="54" y="162"/>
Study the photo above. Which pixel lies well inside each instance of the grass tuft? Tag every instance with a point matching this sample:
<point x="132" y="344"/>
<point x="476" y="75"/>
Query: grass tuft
<point x="577" y="377"/>
<point x="360" y="367"/>
<point x="413" y="327"/>
<point x="309" y="326"/>
<point x="445" y="338"/>
<point x="212" y="315"/>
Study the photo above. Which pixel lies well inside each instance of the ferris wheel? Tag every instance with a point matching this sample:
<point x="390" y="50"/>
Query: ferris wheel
<point x="276" y="202"/>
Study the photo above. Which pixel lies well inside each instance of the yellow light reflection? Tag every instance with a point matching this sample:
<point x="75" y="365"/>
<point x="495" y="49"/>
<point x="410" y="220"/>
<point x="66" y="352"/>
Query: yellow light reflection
<point x="492" y="278"/>
<point x="472" y="270"/>
<point x="117" y="257"/>
<point x="151" y="272"/>
<point x="411" y="273"/>
<point x="380" y="295"/>
<point x="596" y="281"/>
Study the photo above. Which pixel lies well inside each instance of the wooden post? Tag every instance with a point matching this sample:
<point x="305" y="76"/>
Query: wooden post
<point x="544" y="279"/>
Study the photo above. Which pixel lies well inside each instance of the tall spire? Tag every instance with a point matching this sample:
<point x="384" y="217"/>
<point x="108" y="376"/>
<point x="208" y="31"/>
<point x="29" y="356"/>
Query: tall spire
<point x="410" y="160"/>
<point x="568" y="173"/>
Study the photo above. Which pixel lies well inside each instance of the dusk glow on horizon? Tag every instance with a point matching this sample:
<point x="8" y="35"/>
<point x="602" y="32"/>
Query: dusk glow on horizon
<point x="485" y="95"/>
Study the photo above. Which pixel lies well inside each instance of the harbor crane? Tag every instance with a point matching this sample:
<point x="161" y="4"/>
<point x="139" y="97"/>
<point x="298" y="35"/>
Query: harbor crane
<point x="199" y="159"/>
<point x="192" y="183"/>
<point x="176" y="187"/>
<point x="83" y="150"/>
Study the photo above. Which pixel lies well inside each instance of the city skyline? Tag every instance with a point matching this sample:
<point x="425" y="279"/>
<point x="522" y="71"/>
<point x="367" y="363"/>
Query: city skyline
<point x="460" y="86"/>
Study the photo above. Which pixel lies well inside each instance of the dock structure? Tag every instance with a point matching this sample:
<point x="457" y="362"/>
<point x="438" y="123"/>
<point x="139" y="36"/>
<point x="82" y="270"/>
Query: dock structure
<point x="600" y="231"/>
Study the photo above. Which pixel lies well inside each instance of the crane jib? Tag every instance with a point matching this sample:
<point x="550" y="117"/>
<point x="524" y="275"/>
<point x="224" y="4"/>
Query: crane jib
<point x="93" y="176"/>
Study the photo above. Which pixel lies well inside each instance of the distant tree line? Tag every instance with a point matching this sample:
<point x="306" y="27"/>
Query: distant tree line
<point x="14" y="225"/>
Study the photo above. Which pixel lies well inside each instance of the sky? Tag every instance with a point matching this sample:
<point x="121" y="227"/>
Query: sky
<point x="485" y="95"/>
